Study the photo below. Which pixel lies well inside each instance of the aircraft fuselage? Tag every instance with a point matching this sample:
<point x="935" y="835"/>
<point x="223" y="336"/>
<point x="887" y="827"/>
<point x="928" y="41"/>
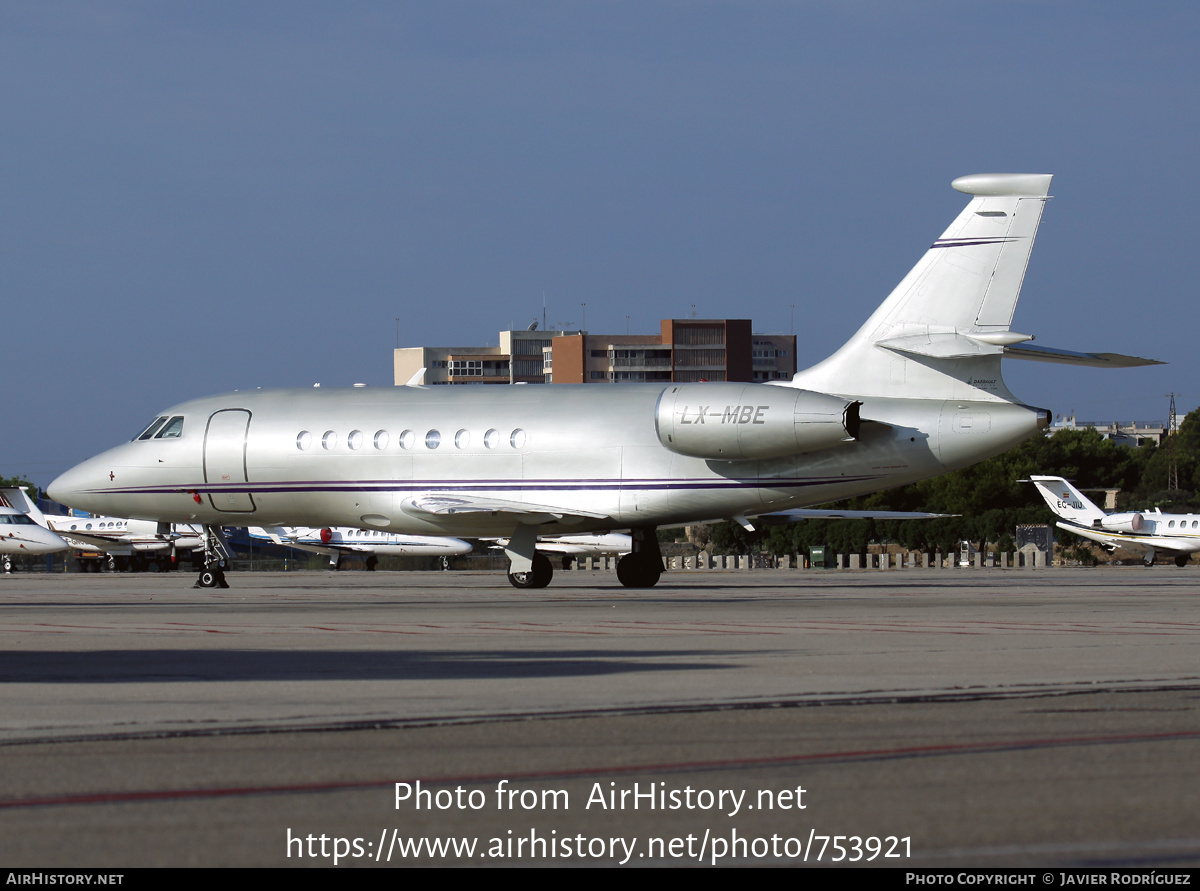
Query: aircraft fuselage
<point x="587" y="457"/>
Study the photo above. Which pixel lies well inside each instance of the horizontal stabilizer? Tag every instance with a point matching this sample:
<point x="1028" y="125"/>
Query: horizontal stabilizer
<point x="1069" y="357"/>
<point x="941" y="346"/>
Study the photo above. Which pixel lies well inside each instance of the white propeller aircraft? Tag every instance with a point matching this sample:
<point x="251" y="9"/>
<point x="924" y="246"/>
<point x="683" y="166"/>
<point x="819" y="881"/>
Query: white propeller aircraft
<point x="916" y="392"/>
<point x="1147" y="531"/>
<point x="19" y="533"/>
<point x="334" y="542"/>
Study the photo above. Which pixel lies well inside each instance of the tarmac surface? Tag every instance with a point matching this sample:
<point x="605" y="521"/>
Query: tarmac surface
<point x="955" y="718"/>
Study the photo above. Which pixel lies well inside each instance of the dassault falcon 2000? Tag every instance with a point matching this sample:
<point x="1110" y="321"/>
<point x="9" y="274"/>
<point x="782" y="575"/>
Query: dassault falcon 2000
<point x="916" y="392"/>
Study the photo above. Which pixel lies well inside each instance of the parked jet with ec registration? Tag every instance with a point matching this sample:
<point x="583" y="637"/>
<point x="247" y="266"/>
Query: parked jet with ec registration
<point x="1146" y="531"/>
<point x="916" y="392"/>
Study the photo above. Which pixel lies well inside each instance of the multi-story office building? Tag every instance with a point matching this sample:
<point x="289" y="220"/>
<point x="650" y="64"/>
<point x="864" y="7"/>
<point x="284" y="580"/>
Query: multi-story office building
<point x="683" y="350"/>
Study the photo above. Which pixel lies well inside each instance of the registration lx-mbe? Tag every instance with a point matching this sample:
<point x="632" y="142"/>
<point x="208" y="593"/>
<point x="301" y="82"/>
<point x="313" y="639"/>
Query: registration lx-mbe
<point x="916" y="392"/>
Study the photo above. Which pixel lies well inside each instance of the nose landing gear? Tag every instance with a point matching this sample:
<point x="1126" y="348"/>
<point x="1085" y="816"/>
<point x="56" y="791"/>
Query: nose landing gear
<point x="216" y="557"/>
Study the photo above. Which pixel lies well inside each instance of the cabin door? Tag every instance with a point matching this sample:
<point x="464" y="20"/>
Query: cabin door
<point x="225" y="460"/>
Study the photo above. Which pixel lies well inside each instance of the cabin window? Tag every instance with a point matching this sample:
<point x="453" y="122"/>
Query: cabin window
<point x="381" y="440"/>
<point x="152" y="429"/>
<point x="303" y="440"/>
<point x="491" y="439"/>
<point x="407" y="439"/>
<point x="1171" y="525"/>
<point x="173" y="429"/>
<point x="354" y="440"/>
<point x="433" y="439"/>
<point x="329" y="440"/>
<point x="517" y="439"/>
<point x="462" y="439"/>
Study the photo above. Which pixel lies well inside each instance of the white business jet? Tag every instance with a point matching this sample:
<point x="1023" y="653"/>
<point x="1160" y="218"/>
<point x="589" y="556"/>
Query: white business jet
<point x="125" y="543"/>
<point x="915" y="393"/>
<point x="19" y="533"/>
<point x="334" y="542"/>
<point x="1147" y="531"/>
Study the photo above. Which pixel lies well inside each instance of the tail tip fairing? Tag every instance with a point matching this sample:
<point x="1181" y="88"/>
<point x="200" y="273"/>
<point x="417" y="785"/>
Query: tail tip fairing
<point x="1002" y="185"/>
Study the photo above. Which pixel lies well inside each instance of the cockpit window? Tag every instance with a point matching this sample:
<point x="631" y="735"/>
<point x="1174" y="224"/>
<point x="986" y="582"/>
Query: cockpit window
<point x="152" y="429"/>
<point x="172" y="430"/>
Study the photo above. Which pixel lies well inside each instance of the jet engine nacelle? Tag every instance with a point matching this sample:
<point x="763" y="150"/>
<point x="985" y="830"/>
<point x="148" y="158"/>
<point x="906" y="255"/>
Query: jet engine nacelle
<point x="733" y="421"/>
<point x="1130" y="522"/>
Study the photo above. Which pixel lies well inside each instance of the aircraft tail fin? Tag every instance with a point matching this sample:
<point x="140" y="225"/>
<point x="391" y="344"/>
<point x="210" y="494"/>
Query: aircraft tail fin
<point x="942" y="331"/>
<point x="1067" y="501"/>
<point x="18" y="498"/>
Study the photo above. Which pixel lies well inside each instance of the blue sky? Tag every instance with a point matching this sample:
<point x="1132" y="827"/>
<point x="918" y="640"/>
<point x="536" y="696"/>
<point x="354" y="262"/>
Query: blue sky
<point x="201" y="197"/>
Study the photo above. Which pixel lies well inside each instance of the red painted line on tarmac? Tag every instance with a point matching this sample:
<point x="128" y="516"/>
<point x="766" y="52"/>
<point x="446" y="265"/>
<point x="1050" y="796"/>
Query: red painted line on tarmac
<point x="542" y="776"/>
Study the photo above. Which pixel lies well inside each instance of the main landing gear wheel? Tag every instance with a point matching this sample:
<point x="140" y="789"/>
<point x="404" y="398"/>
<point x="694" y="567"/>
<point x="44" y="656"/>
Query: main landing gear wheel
<point x="372" y="562"/>
<point x="1181" y="560"/>
<point x="537" y="577"/>
<point x="639" y="570"/>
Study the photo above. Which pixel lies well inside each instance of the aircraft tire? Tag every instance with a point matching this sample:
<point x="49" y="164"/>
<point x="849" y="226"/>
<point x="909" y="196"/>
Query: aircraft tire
<point x="211" y="578"/>
<point x="634" y="571"/>
<point x="8" y="564"/>
<point x="372" y="562"/>
<point x="537" y="577"/>
<point x="1181" y="560"/>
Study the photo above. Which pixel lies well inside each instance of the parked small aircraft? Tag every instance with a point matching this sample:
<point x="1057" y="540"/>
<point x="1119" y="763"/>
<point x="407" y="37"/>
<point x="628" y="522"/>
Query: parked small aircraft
<point x="916" y="392"/>
<point x="118" y="543"/>
<point x="1147" y="531"/>
<point x="337" y="541"/>
<point x="19" y="533"/>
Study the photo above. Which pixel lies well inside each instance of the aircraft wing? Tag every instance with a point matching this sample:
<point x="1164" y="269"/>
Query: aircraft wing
<point x="523" y="511"/>
<point x="98" y="542"/>
<point x="281" y="536"/>
<point x="810" y="514"/>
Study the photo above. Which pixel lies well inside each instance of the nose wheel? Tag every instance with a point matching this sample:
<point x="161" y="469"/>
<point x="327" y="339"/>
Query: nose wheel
<point x="211" y="578"/>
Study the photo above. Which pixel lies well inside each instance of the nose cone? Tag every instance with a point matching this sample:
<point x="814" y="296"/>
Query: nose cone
<point x="458" y="546"/>
<point x="88" y="485"/>
<point x="68" y="487"/>
<point x="19" y="534"/>
<point x="43" y="541"/>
